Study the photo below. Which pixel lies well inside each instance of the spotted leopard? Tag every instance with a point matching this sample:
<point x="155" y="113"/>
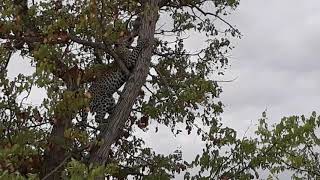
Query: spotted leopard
<point x="103" y="88"/>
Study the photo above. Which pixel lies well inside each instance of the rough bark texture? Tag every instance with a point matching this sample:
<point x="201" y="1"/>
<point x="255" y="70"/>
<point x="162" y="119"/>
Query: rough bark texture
<point x="132" y="87"/>
<point x="56" y="153"/>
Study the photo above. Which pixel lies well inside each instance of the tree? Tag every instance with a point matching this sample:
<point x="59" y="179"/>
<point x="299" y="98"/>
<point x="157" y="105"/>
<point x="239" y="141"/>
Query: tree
<point x="73" y="44"/>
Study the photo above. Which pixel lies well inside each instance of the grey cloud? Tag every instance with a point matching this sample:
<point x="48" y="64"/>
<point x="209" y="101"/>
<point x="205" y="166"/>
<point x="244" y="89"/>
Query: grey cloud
<point x="276" y="61"/>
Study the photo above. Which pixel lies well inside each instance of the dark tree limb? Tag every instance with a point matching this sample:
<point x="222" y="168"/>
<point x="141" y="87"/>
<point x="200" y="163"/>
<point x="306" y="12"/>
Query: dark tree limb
<point x="4" y="66"/>
<point x="55" y="153"/>
<point x="57" y="168"/>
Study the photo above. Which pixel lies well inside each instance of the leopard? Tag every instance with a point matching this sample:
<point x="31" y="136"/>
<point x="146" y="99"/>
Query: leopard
<point x="103" y="88"/>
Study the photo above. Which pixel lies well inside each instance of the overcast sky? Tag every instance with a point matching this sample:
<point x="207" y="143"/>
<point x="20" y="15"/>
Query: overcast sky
<point x="276" y="63"/>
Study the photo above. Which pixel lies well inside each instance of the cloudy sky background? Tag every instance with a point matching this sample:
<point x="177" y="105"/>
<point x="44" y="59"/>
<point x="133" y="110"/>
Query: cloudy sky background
<point x="277" y="68"/>
<point x="275" y="62"/>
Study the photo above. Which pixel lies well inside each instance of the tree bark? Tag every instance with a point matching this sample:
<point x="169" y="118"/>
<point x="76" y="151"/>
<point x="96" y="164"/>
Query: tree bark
<point x="133" y="86"/>
<point x="55" y="154"/>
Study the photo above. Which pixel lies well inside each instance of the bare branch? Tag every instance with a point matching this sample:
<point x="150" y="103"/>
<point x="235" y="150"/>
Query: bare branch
<point x="217" y="16"/>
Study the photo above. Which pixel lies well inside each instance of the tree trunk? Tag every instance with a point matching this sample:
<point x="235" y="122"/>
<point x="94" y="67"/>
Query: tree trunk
<point x="133" y="86"/>
<point x="55" y="154"/>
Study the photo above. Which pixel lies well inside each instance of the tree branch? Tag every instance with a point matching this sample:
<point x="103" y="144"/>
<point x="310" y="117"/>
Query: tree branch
<point x="5" y="65"/>
<point x="106" y="46"/>
<point x="215" y="15"/>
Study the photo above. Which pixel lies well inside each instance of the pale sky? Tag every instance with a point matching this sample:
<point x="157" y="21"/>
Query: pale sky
<point x="277" y="68"/>
<point x="276" y="61"/>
